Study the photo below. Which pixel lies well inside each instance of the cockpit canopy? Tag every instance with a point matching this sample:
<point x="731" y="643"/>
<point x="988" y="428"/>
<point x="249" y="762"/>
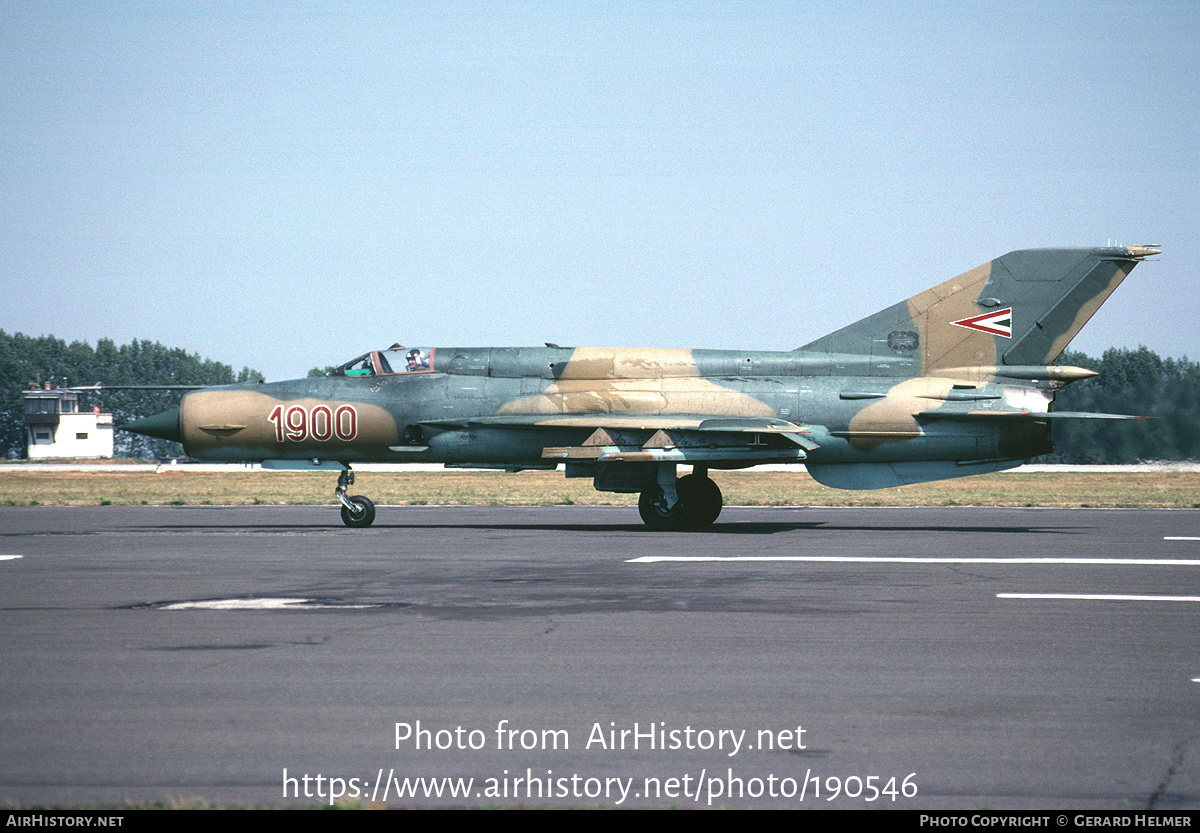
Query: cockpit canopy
<point x="393" y="361"/>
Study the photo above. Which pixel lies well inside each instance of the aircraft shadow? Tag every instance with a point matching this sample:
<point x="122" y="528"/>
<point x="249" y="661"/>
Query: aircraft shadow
<point x="730" y="528"/>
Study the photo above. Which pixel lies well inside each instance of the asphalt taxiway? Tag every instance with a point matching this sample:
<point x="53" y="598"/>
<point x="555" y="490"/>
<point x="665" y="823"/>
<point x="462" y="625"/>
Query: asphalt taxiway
<point x="565" y="656"/>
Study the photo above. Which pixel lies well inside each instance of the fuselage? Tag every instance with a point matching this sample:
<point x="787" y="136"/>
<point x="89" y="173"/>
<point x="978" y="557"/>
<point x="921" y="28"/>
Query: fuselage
<point x="855" y="408"/>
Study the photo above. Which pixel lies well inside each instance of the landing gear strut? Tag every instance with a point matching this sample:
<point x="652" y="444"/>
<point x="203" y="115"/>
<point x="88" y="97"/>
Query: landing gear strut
<point x="697" y="502"/>
<point x="357" y="510"/>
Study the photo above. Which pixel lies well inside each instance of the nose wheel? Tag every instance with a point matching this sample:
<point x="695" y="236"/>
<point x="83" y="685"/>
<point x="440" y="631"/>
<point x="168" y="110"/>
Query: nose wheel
<point x="357" y="510"/>
<point x="362" y="513"/>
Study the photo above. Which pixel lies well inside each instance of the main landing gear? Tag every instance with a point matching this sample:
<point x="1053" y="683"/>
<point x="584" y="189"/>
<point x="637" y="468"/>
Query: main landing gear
<point x="357" y="510"/>
<point x="668" y="503"/>
<point x="689" y="503"/>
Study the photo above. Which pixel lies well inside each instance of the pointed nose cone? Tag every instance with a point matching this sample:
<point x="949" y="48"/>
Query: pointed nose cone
<point x="165" y="426"/>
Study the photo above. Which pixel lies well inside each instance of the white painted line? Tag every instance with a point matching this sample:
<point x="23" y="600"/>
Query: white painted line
<point x="1181" y="537"/>
<point x="236" y="604"/>
<point x="1099" y="597"/>
<point x="10" y="557"/>
<point x="259" y="604"/>
<point x="873" y="559"/>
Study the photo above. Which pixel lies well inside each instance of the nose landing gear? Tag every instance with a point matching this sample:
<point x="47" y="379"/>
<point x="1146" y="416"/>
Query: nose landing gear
<point x="357" y="510"/>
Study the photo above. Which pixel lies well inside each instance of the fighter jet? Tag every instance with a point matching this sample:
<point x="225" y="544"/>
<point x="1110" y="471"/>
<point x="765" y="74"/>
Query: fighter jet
<point x="956" y="380"/>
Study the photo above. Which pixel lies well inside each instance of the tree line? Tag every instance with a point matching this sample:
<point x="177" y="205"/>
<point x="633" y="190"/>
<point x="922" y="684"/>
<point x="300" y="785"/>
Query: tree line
<point x="26" y="360"/>
<point x="1137" y="382"/>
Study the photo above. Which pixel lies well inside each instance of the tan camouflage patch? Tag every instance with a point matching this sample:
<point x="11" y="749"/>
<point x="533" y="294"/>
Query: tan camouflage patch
<point x="639" y="396"/>
<point x="635" y="381"/>
<point x="943" y="344"/>
<point x="892" y="419"/>
<point x="628" y="363"/>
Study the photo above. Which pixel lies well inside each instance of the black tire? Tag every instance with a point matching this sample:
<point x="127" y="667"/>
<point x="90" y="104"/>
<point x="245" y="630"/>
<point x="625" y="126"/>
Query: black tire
<point x="699" y="505"/>
<point x="365" y="515"/>
<point x="655" y="516"/>
<point x="702" y="499"/>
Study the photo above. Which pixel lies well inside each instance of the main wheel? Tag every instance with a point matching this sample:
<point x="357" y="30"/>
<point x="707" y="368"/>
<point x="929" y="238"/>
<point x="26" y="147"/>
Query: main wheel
<point x="365" y="516"/>
<point x="698" y="506"/>
<point x="702" y="499"/>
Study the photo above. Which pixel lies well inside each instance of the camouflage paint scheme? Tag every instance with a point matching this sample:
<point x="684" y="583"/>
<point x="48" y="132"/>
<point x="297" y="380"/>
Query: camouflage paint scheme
<point x="956" y="380"/>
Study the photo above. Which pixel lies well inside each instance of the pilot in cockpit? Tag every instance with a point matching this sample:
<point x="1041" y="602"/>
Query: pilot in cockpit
<point x="416" y="361"/>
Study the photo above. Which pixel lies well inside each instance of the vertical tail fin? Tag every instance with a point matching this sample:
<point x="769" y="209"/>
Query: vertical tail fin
<point x="1019" y="309"/>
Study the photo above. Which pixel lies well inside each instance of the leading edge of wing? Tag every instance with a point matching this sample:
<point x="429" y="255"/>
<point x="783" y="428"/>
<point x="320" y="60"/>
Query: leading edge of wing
<point x="1017" y="416"/>
<point x="626" y="422"/>
<point x="660" y="438"/>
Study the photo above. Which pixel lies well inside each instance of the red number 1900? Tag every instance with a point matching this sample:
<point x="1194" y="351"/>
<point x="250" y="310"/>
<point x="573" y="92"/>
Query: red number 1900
<point x="320" y="423"/>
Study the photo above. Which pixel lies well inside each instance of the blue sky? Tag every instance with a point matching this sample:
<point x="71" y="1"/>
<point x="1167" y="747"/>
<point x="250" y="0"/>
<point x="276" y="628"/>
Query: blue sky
<point x="287" y="185"/>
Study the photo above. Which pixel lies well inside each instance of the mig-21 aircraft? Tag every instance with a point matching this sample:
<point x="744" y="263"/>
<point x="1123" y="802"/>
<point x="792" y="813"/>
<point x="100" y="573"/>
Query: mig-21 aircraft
<point x="956" y="380"/>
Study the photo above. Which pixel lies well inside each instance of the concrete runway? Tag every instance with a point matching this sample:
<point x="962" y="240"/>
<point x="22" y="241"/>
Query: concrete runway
<point x="547" y="656"/>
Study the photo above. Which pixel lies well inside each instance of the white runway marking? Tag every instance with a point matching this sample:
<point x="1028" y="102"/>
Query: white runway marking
<point x="259" y="604"/>
<point x="1181" y="537"/>
<point x="1099" y="597"/>
<point x="887" y="559"/>
<point x="10" y="557"/>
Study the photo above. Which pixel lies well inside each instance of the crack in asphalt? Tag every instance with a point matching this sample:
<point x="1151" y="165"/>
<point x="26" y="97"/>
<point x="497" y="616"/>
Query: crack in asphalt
<point x="1177" y="756"/>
